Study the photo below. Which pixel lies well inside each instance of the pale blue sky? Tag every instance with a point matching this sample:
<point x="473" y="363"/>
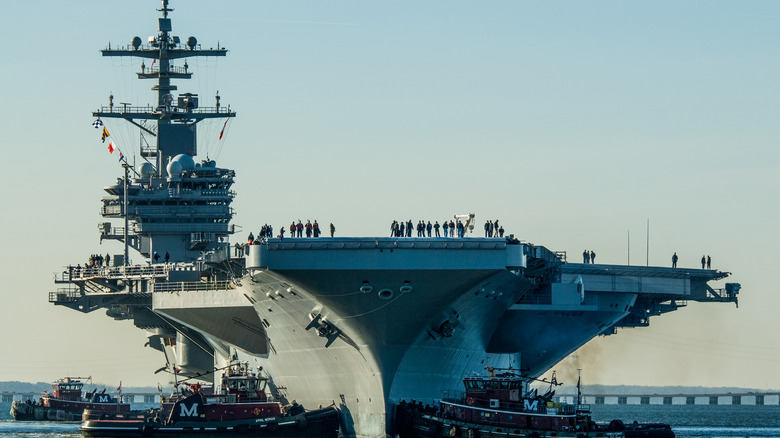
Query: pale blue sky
<point x="573" y="122"/>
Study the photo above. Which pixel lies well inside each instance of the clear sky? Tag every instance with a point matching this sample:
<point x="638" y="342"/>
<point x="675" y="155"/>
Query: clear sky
<point x="572" y="122"/>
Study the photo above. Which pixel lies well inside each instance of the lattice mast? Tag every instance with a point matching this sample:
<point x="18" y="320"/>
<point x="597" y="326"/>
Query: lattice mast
<point x="175" y="118"/>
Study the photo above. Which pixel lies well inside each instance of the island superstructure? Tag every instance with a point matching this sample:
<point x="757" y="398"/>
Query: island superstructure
<point x="357" y="322"/>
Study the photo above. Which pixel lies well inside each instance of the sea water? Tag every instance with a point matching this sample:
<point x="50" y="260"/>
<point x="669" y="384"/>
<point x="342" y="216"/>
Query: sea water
<point x="10" y="428"/>
<point x="688" y="421"/>
<point x="705" y="421"/>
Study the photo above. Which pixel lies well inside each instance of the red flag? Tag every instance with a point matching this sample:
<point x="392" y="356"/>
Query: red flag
<point x="110" y="148"/>
<point x="223" y="128"/>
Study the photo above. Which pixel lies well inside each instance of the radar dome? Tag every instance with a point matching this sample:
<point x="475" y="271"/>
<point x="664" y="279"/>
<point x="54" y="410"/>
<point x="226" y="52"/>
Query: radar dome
<point x="147" y="170"/>
<point x="136" y="42"/>
<point x="174" y="169"/>
<point x="186" y="161"/>
<point x="192" y="42"/>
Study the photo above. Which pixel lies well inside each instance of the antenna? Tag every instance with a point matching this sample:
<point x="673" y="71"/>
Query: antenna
<point x="647" y="255"/>
<point x="579" y="386"/>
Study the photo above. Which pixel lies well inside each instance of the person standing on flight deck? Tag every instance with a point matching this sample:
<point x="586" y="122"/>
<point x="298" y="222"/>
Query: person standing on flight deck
<point x="332" y="229"/>
<point x="299" y="228"/>
<point x="436" y="228"/>
<point x="585" y="256"/>
<point x="674" y="260"/>
<point x="592" y="257"/>
<point x="709" y="262"/>
<point x="446" y="227"/>
<point x="292" y="229"/>
<point x="428" y="228"/>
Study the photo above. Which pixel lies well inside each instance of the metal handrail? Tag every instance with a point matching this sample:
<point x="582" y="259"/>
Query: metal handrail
<point x="184" y="286"/>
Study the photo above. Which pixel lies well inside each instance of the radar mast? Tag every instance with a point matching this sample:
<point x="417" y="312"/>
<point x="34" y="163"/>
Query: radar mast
<point x="175" y="118"/>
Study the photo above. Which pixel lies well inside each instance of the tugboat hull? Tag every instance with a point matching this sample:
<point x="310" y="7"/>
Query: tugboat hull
<point x="27" y="412"/>
<point x="412" y="422"/>
<point x="318" y="423"/>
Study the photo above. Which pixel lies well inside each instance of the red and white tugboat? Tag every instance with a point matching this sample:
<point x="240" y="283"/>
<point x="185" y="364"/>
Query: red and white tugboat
<point x="240" y="406"/>
<point x="501" y="405"/>
<point x="67" y="402"/>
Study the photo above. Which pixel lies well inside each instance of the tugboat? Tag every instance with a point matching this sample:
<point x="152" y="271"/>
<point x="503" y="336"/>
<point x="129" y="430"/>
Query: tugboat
<point x="240" y="406"/>
<point x="67" y="403"/>
<point x="501" y="405"/>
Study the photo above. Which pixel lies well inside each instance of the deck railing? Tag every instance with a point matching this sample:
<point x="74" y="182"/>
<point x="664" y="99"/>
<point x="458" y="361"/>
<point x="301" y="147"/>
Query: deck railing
<point x="184" y="286"/>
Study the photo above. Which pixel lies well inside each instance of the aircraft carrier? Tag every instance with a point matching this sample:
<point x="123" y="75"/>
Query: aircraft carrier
<point x="361" y="323"/>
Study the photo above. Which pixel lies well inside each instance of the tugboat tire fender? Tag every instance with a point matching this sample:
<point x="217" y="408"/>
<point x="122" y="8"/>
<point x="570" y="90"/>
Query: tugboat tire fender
<point x="616" y="425"/>
<point x="470" y="401"/>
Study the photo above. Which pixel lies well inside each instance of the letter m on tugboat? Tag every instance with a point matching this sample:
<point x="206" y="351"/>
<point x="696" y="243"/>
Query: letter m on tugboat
<point x="531" y="405"/>
<point x="190" y="408"/>
<point x="192" y="411"/>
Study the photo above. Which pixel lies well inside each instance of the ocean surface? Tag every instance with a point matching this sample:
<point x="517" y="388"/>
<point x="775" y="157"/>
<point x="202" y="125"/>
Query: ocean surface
<point x="689" y="421"/>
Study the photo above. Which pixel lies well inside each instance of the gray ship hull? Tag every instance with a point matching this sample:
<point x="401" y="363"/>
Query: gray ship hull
<point x="408" y="324"/>
<point x="364" y="323"/>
